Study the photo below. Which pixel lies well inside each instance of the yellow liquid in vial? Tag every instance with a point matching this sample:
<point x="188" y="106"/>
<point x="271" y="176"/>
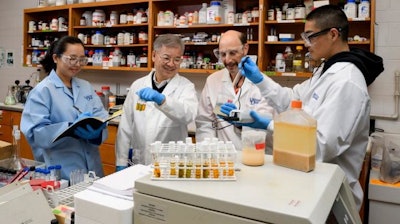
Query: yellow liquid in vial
<point x="206" y="171"/>
<point x="181" y="172"/>
<point x="198" y="171"/>
<point x="188" y="173"/>
<point x="215" y="170"/>
<point x="231" y="169"/>
<point x="157" y="172"/>
<point x="172" y="169"/>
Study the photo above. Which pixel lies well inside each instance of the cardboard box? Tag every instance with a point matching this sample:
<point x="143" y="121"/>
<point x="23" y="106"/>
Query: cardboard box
<point x="5" y="150"/>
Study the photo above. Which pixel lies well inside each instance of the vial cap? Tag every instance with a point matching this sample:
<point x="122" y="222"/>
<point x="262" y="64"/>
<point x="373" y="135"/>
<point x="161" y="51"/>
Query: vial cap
<point x="296" y="104"/>
<point x="105" y="87"/>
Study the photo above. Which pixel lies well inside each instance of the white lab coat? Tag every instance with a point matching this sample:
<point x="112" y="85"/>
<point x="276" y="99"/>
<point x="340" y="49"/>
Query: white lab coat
<point x="340" y="103"/>
<point x="48" y="111"/>
<point x="168" y="122"/>
<point x="220" y="83"/>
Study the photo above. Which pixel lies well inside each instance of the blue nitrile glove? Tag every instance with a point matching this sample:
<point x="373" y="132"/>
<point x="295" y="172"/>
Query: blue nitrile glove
<point x="259" y="122"/>
<point x="250" y="70"/>
<point x="119" y="168"/>
<point x="149" y="94"/>
<point x="89" y="133"/>
<point x="83" y="115"/>
<point x="226" y="108"/>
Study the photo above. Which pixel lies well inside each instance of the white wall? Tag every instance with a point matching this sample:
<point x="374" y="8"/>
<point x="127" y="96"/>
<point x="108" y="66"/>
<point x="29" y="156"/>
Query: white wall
<point x="387" y="45"/>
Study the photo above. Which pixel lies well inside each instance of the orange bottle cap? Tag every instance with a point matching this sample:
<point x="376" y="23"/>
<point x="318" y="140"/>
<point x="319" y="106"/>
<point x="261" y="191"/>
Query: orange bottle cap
<point x="296" y="104"/>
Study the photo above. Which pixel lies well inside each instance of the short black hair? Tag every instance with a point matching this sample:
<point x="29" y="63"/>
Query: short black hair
<point x="330" y="16"/>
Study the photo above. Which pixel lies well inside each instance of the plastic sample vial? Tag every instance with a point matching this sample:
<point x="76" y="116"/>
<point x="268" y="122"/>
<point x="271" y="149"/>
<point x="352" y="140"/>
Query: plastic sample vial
<point x="279" y="63"/>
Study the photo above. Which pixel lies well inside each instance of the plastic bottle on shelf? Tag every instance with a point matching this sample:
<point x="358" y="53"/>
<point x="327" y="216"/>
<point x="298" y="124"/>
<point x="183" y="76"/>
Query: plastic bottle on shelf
<point x="279" y="63"/>
<point x="350" y="9"/>
<point x="308" y="65"/>
<point x="298" y="126"/>
<point x="215" y="13"/>
<point x="363" y="9"/>
<point x="117" y="55"/>
<point x="203" y="14"/>
<point x="298" y="59"/>
<point x="107" y="93"/>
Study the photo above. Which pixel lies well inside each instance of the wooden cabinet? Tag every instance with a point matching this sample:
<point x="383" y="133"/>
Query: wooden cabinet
<point x="257" y="31"/>
<point x="10" y="118"/>
<point x="361" y="27"/>
<point x="107" y="150"/>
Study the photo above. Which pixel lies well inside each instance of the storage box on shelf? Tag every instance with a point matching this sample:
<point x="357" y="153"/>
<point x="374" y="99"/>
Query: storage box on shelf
<point x="361" y="30"/>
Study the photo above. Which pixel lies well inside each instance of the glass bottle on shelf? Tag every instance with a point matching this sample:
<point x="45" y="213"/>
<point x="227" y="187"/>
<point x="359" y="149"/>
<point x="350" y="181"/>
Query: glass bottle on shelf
<point x="143" y="58"/>
<point x="288" y="55"/>
<point x="298" y="59"/>
<point x="10" y="98"/>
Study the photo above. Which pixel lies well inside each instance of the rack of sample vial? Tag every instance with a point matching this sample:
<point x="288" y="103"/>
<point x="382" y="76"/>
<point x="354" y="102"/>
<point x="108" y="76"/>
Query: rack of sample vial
<point x="207" y="160"/>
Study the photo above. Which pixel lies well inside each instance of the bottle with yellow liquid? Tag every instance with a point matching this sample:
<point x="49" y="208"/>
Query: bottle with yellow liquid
<point x="295" y="139"/>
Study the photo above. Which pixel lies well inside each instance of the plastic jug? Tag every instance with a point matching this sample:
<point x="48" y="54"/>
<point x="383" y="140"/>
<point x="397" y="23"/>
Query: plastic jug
<point x="295" y="139"/>
<point x="253" y="146"/>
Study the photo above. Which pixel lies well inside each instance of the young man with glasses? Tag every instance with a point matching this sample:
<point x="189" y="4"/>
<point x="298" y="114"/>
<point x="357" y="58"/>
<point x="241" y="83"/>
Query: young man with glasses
<point x="57" y="102"/>
<point x="221" y="86"/>
<point x="159" y="106"/>
<point x="336" y="96"/>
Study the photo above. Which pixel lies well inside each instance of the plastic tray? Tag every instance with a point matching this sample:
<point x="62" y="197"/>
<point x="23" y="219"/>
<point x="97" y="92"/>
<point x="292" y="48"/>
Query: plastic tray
<point x="206" y="160"/>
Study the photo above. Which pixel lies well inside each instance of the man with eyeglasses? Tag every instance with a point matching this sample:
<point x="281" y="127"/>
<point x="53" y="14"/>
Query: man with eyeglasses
<point x="336" y="95"/>
<point x="159" y="106"/>
<point x="221" y="86"/>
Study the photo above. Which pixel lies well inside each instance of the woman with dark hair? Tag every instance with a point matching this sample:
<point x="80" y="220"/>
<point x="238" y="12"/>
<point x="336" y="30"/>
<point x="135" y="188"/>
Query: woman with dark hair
<point x="57" y="102"/>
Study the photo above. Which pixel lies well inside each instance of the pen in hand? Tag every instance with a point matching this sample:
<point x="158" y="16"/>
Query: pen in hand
<point x="77" y="109"/>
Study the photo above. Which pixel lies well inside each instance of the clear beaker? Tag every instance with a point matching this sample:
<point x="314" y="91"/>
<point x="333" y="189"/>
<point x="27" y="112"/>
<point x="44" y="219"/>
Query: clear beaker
<point x="253" y="146"/>
<point x="10" y="98"/>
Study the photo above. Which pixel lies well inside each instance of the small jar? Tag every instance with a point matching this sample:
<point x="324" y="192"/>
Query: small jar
<point x="82" y="21"/>
<point x="255" y="15"/>
<point x="129" y="18"/>
<point x="123" y="18"/>
<point x="114" y="18"/>
<point x="143" y="37"/>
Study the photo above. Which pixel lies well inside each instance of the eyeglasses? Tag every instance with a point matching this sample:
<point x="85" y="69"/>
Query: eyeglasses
<point x="166" y="59"/>
<point x="230" y="52"/>
<point x="73" y="60"/>
<point x="307" y="36"/>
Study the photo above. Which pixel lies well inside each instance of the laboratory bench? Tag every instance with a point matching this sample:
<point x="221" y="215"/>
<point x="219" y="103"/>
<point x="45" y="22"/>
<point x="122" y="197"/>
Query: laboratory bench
<point x="262" y="194"/>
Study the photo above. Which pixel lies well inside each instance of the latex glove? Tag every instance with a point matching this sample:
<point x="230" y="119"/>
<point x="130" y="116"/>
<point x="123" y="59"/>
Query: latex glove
<point x="89" y="133"/>
<point x="226" y="108"/>
<point x="119" y="168"/>
<point x="149" y="94"/>
<point x="259" y="121"/>
<point x="250" y="70"/>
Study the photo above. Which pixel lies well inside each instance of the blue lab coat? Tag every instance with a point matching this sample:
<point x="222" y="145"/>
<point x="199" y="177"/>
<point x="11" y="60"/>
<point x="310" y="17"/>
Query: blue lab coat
<point x="48" y="111"/>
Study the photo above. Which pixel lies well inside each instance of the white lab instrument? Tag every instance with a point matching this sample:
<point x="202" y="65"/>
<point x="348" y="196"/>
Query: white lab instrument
<point x="263" y="194"/>
<point x="109" y="199"/>
<point x="20" y="204"/>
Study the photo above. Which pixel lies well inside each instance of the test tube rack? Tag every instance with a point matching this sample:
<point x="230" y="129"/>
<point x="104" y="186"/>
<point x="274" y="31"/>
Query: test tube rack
<point x="66" y="196"/>
<point x="207" y="160"/>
